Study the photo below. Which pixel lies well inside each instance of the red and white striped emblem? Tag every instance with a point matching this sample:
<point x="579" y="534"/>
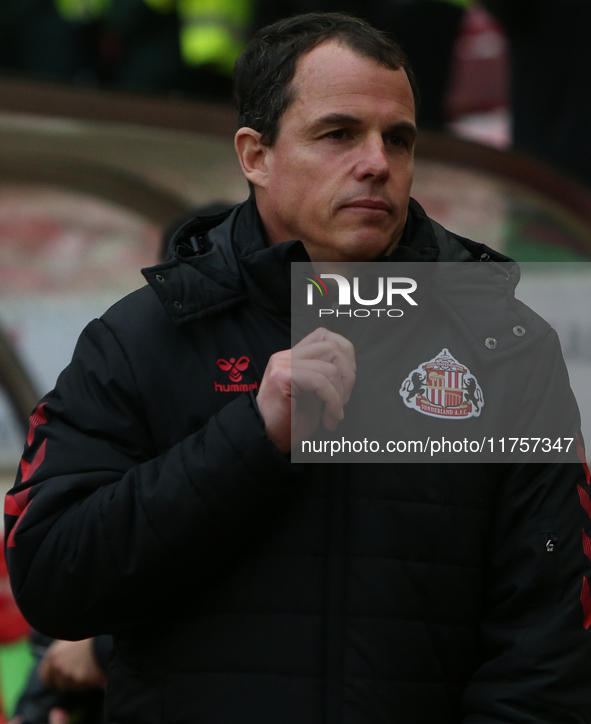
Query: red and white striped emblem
<point x="442" y="387"/>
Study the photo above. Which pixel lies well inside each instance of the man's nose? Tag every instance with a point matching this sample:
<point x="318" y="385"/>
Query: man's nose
<point x="373" y="160"/>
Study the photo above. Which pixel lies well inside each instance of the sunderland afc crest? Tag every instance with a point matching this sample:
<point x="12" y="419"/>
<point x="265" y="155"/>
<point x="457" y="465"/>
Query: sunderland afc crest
<point x="442" y="387"/>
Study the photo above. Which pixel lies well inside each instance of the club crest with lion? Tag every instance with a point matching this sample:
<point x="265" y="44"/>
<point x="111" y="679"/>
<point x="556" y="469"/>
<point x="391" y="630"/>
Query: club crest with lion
<point x="442" y="387"/>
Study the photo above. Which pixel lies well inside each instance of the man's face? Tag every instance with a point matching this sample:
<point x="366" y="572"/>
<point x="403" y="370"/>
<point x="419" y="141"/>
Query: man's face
<point x="339" y="175"/>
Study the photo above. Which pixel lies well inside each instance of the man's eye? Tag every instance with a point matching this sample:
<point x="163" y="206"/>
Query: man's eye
<point x="338" y="134"/>
<point x="399" y="141"/>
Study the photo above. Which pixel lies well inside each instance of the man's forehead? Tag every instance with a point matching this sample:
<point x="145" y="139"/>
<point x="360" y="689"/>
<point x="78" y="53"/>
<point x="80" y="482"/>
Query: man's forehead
<point x="333" y="70"/>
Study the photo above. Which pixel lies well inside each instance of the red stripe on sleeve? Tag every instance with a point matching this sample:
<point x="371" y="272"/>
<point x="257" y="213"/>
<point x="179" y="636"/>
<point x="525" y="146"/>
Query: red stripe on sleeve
<point x="586" y="602"/>
<point x="587" y="545"/>
<point x="15" y="504"/>
<point x="28" y="469"/>
<point x="10" y="540"/>
<point x="22" y="498"/>
<point x="585" y="500"/>
<point x="37" y="418"/>
<point x="11" y="506"/>
<point x="583" y="459"/>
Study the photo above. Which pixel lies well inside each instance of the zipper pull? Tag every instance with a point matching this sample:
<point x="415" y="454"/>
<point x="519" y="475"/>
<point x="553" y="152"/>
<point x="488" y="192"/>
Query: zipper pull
<point x="197" y="244"/>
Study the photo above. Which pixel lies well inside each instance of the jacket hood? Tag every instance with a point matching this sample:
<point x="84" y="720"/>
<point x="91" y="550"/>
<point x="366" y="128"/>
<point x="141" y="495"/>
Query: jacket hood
<point x="222" y="260"/>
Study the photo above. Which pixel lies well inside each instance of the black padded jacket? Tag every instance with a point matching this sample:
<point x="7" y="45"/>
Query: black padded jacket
<point x="241" y="589"/>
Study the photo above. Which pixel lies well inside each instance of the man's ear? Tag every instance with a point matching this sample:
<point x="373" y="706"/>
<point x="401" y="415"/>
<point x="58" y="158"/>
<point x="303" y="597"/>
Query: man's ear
<point x="252" y="154"/>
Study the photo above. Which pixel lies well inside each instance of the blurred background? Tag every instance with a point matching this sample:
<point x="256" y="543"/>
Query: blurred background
<point x="116" y="119"/>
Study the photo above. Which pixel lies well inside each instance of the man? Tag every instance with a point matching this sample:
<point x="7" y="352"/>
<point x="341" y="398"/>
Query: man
<point x="156" y="501"/>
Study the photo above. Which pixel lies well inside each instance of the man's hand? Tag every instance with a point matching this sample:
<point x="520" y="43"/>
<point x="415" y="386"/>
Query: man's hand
<point x="319" y="369"/>
<point x="71" y="666"/>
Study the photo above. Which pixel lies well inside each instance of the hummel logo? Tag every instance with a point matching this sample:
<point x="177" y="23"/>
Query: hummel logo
<point x="235" y="367"/>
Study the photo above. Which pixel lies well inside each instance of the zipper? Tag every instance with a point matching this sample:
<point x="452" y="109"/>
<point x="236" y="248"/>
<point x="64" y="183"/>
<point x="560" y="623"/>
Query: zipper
<point x="551" y="539"/>
<point x="551" y="542"/>
<point x="551" y="549"/>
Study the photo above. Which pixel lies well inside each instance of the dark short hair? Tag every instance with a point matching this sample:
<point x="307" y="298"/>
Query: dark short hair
<point x="266" y="67"/>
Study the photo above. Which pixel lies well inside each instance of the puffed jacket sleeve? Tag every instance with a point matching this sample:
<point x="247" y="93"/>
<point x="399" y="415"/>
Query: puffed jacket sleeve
<point x="99" y="527"/>
<point x="537" y="610"/>
<point x="536" y="634"/>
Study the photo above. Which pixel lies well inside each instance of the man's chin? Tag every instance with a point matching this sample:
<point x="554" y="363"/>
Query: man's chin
<point x="367" y="245"/>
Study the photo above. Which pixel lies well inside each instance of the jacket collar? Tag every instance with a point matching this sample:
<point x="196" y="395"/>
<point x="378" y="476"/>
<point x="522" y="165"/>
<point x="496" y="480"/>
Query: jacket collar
<point x="222" y="261"/>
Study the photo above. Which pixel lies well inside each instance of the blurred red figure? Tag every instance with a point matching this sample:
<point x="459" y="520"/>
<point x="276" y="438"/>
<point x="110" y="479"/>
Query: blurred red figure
<point x="12" y="624"/>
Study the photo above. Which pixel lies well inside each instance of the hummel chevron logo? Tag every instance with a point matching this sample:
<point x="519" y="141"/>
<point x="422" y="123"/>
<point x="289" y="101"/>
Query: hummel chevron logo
<point x="235" y="368"/>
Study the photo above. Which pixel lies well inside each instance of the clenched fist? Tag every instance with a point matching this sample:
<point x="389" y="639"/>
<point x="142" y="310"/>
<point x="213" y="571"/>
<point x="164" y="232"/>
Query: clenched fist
<point x="71" y="666"/>
<point x="319" y="372"/>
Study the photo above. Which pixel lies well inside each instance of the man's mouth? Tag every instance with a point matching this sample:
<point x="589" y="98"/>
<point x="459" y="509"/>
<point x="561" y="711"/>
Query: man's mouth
<point x="370" y="204"/>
